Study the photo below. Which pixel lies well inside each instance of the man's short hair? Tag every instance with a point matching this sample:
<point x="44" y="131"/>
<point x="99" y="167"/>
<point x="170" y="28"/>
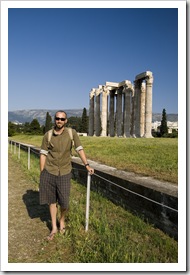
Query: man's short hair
<point x="60" y="111"/>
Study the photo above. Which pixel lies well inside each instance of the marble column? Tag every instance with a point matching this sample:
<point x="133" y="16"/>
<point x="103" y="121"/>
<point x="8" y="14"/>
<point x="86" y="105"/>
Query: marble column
<point x="91" y="113"/>
<point x="111" y="115"/>
<point x="148" y="107"/>
<point x="119" y="115"/>
<point x="127" y="111"/>
<point x="97" y="117"/>
<point x="137" y="108"/>
<point x="142" y="110"/>
<point x="104" y="117"/>
<point x="132" y="131"/>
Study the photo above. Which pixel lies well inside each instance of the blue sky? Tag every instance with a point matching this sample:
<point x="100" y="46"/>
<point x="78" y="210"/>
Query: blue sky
<point x="57" y="55"/>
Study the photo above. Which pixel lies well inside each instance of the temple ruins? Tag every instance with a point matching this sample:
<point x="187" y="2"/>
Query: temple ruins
<point x="122" y="109"/>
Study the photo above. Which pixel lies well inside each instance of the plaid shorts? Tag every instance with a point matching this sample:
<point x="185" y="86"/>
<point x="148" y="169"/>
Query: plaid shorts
<point x="55" y="189"/>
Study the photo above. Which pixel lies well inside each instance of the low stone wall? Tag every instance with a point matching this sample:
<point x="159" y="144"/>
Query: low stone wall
<point x="143" y="196"/>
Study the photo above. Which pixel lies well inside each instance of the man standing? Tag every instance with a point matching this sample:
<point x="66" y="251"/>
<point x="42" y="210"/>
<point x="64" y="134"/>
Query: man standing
<point x="55" y="168"/>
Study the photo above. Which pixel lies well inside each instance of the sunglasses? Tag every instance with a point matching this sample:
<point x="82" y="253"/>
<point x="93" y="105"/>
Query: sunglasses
<point x="60" y="118"/>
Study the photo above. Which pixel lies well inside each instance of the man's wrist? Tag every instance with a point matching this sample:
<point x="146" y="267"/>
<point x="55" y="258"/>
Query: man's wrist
<point x="87" y="164"/>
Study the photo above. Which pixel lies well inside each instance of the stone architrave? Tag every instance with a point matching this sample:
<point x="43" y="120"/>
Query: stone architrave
<point x="97" y="117"/>
<point x="148" y="107"/>
<point x="127" y="110"/>
<point x="104" y="117"/>
<point x="119" y="115"/>
<point x="91" y="113"/>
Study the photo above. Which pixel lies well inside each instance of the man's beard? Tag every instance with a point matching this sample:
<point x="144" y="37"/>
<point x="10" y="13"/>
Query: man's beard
<point x="59" y="126"/>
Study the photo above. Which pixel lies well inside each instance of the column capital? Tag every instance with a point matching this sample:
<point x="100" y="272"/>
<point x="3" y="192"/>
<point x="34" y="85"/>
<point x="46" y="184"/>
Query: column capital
<point x="149" y="80"/>
<point x="92" y="93"/>
<point x="127" y="87"/>
<point x="106" y="90"/>
<point x="98" y="92"/>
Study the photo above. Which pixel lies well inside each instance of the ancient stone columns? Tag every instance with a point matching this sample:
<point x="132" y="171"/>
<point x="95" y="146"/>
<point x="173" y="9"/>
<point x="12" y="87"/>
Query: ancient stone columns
<point x="143" y="105"/>
<point x="148" y="107"/>
<point x="121" y="109"/>
<point x="112" y="115"/>
<point x="119" y="118"/>
<point x="127" y="90"/>
<point x="97" y="116"/>
<point x="104" y="117"/>
<point x="99" y="120"/>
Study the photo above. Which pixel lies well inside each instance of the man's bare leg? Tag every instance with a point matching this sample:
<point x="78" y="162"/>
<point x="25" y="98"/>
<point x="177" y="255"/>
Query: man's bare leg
<point x="62" y="220"/>
<point x="53" y="213"/>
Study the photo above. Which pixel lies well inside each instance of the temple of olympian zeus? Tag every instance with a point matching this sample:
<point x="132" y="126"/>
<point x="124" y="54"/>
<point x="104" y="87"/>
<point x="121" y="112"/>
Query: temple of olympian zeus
<point x="122" y="109"/>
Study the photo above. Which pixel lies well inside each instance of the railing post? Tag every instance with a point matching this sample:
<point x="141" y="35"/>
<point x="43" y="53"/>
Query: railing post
<point x="28" y="157"/>
<point x="19" y="151"/>
<point x="15" y="148"/>
<point x="87" y="201"/>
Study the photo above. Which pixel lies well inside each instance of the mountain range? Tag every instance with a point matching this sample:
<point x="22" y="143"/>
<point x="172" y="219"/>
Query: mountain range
<point x="22" y="116"/>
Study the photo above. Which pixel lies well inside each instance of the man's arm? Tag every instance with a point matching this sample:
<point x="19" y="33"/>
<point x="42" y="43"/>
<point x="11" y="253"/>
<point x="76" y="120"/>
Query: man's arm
<point x="43" y="152"/>
<point x="84" y="160"/>
<point x="79" y="149"/>
<point x="42" y="162"/>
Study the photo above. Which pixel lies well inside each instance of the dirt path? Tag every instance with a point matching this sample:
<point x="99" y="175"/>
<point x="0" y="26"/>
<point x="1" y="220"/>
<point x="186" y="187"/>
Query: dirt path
<point x="28" y="221"/>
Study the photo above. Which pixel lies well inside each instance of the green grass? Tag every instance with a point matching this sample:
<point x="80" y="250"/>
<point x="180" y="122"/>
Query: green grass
<point x="114" y="235"/>
<point x="156" y="157"/>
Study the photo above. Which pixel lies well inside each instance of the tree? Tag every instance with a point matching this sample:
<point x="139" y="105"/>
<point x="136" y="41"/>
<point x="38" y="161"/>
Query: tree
<point x="84" y="122"/>
<point x="11" y="129"/>
<point x="163" y="126"/>
<point x="26" y="128"/>
<point x="14" y="128"/>
<point x="48" y="123"/>
<point x="74" y="122"/>
<point x="35" y="127"/>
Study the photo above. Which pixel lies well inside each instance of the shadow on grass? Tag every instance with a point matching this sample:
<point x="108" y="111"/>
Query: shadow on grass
<point x="35" y="210"/>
